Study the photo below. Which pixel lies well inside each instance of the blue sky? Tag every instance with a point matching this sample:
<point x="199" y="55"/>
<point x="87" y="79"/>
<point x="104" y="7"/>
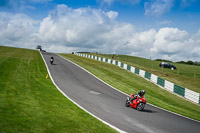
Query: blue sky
<point x="156" y="28"/>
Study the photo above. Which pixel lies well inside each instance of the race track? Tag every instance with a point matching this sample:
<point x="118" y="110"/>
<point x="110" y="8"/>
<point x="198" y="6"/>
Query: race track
<point x="109" y="105"/>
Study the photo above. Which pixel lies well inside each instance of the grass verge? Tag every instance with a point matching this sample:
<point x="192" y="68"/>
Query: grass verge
<point x="30" y="103"/>
<point x="130" y="83"/>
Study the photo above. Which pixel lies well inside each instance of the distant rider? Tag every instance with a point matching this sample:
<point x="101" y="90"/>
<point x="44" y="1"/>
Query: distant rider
<point x="139" y="94"/>
<point x="52" y="59"/>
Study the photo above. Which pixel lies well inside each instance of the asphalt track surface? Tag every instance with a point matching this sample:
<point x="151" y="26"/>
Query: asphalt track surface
<point x="109" y="104"/>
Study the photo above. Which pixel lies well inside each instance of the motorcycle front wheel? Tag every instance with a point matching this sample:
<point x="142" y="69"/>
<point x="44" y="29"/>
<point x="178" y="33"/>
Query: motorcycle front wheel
<point x="140" y="106"/>
<point x="127" y="103"/>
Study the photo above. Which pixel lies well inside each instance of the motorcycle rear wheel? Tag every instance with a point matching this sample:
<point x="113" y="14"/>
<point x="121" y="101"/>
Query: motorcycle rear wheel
<point x="140" y="106"/>
<point x="127" y="103"/>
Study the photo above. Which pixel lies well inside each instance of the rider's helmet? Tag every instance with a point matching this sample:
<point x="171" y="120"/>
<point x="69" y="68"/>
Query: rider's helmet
<point x="142" y="92"/>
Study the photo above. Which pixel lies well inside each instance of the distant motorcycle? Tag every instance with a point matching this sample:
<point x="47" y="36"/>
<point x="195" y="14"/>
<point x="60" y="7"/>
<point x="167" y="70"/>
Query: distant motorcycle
<point x="138" y="103"/>
<point x="51" y="60"/>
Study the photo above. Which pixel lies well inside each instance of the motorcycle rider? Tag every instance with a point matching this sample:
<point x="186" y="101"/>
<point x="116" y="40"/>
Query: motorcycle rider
<point x="51" y="59"/>
<point x="139" y="94"/>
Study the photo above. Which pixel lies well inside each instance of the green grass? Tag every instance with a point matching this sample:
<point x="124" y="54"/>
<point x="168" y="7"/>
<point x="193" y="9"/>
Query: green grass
<point x="187" y="76"/>
<point x="30" y="103"/>
<point x="130" y="83"/>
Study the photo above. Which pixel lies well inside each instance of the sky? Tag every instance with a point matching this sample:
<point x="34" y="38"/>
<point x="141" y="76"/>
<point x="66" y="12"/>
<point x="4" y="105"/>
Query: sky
<point x="156" y="29"/>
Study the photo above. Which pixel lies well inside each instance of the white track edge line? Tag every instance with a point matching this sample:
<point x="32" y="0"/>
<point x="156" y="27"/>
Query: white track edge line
<point x="127" y="94"/>
<point x="115" y="128"/>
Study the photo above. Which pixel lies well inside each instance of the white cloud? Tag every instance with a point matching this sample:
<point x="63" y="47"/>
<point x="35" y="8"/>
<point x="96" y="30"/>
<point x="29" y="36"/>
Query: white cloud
<point x="112" y="14"/>
<point x="175" y="44"/>
<point x="169" y="41"/>
<point x="158" y="7"/>
<point x="83" y="27"/>
<point x="140" y="43"/>
<point x="166" y="43"/>
<point x="195" y="40"/>
<point x="15" y="29"/>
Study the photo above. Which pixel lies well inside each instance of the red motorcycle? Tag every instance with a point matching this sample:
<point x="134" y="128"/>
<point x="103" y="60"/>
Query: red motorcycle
<point x="138" y="103"/>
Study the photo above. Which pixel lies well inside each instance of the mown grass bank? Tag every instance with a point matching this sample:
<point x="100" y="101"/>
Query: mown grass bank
<point x="130" y="83"/>
<point x="187" y="76"/>
<point x="30" y="103"/>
